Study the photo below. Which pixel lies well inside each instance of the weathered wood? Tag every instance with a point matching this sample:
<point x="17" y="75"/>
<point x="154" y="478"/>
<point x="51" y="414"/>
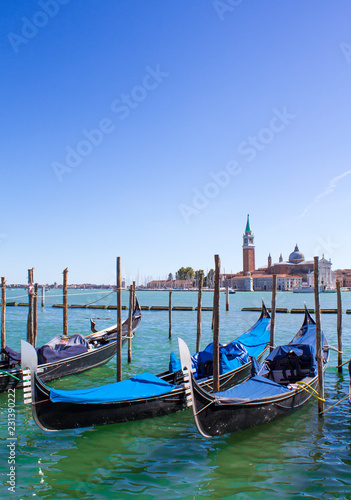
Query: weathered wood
<point x="43" y="296"/>
<point x="339" y="324"/>
<point x="3" y="309"/>
<point x="227" y="298"/>
<point x="35" y="314"/>
<point x="170" y="316"/>
<point x="318" y="338"/>
<point x="274" y="299"/>
<point x="30" y="306"/>
<point x="216" y="303"/>
<point x="199" y="311"/>
<point x="119" y="320"/>
<point x="65" y="303"/>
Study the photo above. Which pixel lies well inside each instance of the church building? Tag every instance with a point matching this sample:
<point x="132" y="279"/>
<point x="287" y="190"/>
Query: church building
<point x="293" y="273"/>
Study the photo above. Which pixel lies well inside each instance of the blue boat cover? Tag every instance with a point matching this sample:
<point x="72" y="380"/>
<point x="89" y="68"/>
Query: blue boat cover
<point x="232" y="355"/>
<point x="141" y="386"/>
<point x="255" y="388"/>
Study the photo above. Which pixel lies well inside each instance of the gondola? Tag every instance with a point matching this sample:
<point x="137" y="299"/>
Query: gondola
<point x="281" y="385"/>
<point x="63" y="356"/>
<point x="143" y="396"/>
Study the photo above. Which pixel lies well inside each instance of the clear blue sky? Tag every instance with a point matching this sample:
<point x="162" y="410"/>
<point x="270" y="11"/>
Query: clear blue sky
<point x="118" y="119"/>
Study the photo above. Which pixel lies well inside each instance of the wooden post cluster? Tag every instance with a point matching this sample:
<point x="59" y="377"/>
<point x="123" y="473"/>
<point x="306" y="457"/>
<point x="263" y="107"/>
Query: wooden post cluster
<point x="318" y="338"/>
<point x="30" y="306"/>
<point x="170" y="316"/>
<point x="339" y="324"/>
<point x="130" y="319"/>
<point x="216" y="299"/>
<point x="3" y="308"/>
<point x="273" y="308"/>
<point x="119" y="320"/>
<point x="199" y="306"/>
<point x="65" y="303"/>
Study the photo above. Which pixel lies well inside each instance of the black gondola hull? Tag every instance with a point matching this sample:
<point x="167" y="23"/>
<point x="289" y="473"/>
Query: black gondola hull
<point x="217" y="418"/>
<point x="57" y="416"/>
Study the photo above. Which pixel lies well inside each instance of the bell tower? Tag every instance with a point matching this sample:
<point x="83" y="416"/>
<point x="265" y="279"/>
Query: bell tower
<point x="248" y="249"/>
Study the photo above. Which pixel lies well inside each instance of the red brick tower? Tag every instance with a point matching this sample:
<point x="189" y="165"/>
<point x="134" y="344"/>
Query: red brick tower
<point x="248" y="249"/>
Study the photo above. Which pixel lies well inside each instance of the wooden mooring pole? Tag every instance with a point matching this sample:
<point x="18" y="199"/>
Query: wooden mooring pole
<point x="319" y="346"/>
<point x="43" y="296"/>
<point x="199" y="311"/>
<point x="35" y="315"/>
<point x="339" y="324"/>
<point x="30" y="306"/>
<point x="227" y="298"/>
<point x="216" y="303"/>
<point x="119" y="321"/>
<point x="274" y="299"/>
<point x="3" y="308"/>
<point x="170" y="316"/>
<point x="65" y="303"/>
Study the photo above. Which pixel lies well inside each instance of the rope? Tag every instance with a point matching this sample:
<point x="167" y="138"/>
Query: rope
<point x="202" y="409"/>
<point x="314" y="393"/>
<point x="332" y="348"/>
<point x="10" y="374"/>
<point x="339" y="366"/>
<point x="341" y="400"/>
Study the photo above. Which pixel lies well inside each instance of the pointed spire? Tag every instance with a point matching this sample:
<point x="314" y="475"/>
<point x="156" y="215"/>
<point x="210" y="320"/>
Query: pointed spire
<point x="248" y="228"/>
<point x="296" y="248"/>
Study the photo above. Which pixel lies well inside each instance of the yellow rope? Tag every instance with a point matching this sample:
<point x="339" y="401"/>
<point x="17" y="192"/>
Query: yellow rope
<point x="314" y="393"/>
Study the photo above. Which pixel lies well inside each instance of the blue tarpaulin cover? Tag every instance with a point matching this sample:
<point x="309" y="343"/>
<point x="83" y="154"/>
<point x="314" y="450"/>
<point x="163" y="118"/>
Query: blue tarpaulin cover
<point x="302" y="348"/>
<point x="140" y="386"/>
<point x="232" y="355"/>
<point x="255" y="388"/>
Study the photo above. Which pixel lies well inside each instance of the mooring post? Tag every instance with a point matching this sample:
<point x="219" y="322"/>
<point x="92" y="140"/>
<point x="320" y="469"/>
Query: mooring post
<point x="227" y="298"/>
<point x="43" y="296"/>
<point x="199" y="311"/>
<point x="3" y="308"/>
<point x="130" y="321"/>
<point x="35" y="315"/>
<point x="339" y="324"/>
<point x="216" y="302"/>
<point x="119" y="321"/>
<point x="30" y="306"/>
<point x="319" y="346"/>
<point x="274" y="298"/>
<point x="65" y="303"/>
<point x="170" y="316"/>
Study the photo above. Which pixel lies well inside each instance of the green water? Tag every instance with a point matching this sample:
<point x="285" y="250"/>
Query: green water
<point x="300" y="456"/>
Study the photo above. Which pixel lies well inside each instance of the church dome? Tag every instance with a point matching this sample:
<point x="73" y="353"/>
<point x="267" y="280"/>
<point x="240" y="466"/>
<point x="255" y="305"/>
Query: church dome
<point x="296" y="256"/>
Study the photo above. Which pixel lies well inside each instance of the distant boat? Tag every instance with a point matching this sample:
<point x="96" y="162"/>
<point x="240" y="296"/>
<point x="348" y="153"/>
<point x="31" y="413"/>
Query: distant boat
<point x="231" y="290"/>
<point x="310" y="289"/>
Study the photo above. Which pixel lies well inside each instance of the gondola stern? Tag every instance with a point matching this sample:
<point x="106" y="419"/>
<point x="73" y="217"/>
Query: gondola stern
<point x="264" y="312"/>
<point x="185" y="359"/>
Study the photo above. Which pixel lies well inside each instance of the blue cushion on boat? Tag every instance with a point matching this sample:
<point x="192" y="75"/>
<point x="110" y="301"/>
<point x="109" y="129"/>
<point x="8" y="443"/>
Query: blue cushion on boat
<point x="226" y="365"/>
<point x="141" y="386"/>
<point x="174" y="363"/>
